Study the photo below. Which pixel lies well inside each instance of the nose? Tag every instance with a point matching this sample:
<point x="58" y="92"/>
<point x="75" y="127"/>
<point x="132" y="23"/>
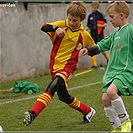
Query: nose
<point x="71" y="22"/>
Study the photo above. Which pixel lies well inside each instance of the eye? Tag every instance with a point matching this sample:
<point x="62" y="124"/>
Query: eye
<point x="74" y="20"/>
<point x="111" y="16"/>
<point x="69" y="19"/>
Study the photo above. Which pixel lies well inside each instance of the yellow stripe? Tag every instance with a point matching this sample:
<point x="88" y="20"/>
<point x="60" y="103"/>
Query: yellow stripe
<point x="44" y="95"/>
<point x="83" y="72"/>
<point x="40" y="100"/>
<point x="75" y="103"/>
<point x="64" y="77"/>
<point x="44" y="98"/>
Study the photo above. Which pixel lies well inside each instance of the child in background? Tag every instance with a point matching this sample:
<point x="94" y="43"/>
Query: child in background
<point x="96" y="24"/>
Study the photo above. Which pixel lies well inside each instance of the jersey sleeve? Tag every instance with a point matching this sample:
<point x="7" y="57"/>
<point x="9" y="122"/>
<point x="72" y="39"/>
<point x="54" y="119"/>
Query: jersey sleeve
<point x="60" y="24"/>
<point x="88" y="40"/>
<point x="131" y="31"/>
<point x="105" y="44"/>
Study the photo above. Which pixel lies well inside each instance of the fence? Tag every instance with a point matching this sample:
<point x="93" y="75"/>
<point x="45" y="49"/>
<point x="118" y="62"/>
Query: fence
<point x="24" y="49"/>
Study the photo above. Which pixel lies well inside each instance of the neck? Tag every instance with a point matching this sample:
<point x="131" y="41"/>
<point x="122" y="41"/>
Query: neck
<point x="123" y="23"/>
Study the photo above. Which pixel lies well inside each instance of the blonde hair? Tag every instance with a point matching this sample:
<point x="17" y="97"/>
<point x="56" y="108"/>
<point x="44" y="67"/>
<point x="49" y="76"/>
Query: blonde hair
<point x="78" y="9"/>
<point x="95" y="3"/>
<point x="120" y="6"/>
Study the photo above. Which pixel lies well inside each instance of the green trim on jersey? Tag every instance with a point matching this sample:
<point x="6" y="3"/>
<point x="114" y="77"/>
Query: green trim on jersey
<point x="120" y="65"/>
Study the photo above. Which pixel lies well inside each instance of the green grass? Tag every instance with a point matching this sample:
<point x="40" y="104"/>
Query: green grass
<point x="58" y="116"/>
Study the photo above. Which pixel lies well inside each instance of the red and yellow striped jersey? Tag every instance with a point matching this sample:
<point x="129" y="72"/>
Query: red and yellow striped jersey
<point x="65" y="49"/>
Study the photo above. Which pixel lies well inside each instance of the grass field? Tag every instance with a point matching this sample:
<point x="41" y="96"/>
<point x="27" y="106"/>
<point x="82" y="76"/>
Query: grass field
<point x="58" y="116"/>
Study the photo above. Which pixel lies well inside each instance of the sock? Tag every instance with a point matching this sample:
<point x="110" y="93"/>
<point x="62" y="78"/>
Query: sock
<point x="113" y="117"/>
<point x="120" y="109"/>
<point x="42" y="101"/>
<point x="106" y="55"/>
<point x="79" y="106"/>
<point x="94" y="62"/>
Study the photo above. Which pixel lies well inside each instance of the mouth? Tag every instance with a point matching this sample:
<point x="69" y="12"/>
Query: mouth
<point x="112" y="23"/>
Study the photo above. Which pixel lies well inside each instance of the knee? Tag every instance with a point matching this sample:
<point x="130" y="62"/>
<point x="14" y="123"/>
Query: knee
<point x="106" y="100"/>
<point x="55" y="84"/>
<point x="111" y="94"/>
<point x="66" y="99"/>
<point x="112" y="91"/>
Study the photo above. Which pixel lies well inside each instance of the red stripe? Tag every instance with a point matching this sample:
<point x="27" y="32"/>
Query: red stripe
<point x="72" y="62"/>
<point x="54" y="51"/>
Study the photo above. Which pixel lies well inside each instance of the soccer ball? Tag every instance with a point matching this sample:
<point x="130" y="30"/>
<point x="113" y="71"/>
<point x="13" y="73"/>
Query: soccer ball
<point x="1" y="129"/>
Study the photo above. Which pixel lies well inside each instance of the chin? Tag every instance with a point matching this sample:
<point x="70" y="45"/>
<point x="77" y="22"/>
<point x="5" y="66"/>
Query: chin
<point x="72" y="28"/>
<point x="114" y="25"/>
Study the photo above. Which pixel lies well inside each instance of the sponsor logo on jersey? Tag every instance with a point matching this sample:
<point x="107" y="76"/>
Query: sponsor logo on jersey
<point x="117" y="38"/>
<point x="79" y="46"/>
<point x="118" y="47"/>
<point x="70" y="39"/>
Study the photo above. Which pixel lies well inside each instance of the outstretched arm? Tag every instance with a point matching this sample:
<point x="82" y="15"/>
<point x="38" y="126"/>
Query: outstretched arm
<point x="93" y="50"/>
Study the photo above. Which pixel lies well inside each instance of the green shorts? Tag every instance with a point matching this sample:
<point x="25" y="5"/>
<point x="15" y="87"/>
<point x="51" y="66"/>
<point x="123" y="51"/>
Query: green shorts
<point x="122" y="88"/>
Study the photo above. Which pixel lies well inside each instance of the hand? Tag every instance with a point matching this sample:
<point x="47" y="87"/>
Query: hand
<point x="102" y="25"/>
<point x="87" y="28"/>
<point x="82" y="52"/>
<point x="60" y="32"/>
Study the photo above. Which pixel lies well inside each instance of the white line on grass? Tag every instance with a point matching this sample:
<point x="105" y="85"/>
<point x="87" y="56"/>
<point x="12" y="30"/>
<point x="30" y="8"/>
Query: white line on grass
<point x="77" y="87"/>
<point x="31" y="97"/>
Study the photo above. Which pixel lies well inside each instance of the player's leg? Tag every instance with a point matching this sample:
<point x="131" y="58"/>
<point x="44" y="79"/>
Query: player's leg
<point x="64" y="96"/>
<point x="118" y="103"/>
<point x="94" y="62"/>
<point x="43" y="100"/>
<point x="122" y="114"/>
<point x="105" y="54"/>
<point x="73" y="102"/>
<point x="111" y="113"/>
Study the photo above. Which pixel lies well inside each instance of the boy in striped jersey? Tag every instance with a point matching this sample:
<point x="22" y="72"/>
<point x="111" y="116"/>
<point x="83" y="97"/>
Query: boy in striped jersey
<point x="68" y="38"/>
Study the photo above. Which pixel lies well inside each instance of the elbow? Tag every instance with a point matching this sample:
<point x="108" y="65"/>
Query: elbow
<point x="42" y="28"/>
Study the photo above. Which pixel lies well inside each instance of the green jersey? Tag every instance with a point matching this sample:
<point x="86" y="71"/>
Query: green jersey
<point x="120" y="65"/>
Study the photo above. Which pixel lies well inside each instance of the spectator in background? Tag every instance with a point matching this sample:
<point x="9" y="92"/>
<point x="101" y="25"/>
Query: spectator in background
<point x="96" y="24"/>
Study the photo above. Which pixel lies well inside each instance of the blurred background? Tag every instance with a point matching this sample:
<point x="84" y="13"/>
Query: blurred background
<point x="24" y="48"/>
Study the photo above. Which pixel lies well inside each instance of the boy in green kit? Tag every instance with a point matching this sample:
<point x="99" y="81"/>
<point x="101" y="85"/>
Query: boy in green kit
<point x="118" y="78"/>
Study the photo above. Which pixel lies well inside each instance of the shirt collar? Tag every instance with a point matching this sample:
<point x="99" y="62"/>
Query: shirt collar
<point x="123" y="26"/>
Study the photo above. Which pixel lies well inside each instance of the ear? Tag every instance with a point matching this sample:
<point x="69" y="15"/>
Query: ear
<point x="83" y="16"/>
<point x="122" y="15"/>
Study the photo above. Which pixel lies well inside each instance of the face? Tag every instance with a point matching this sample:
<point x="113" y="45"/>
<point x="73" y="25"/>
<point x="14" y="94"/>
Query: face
<point x="94" y="8"/>
<point x="115" y="17"/>
<point x="74" y="22"/>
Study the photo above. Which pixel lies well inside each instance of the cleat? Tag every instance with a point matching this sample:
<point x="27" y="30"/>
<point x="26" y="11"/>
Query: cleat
<point x="28" y="117"/>
<point x="87" y="118"/>
<point x="126" y="126"/>
<point x="93" y="67"/>
<point x="116" y="130"/>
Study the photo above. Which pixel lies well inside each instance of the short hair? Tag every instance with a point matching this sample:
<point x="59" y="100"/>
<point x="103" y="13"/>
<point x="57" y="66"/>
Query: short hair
<point x="120" y="6"/>
<point x="95" y="3"/>
<point x="78" y="9"/>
